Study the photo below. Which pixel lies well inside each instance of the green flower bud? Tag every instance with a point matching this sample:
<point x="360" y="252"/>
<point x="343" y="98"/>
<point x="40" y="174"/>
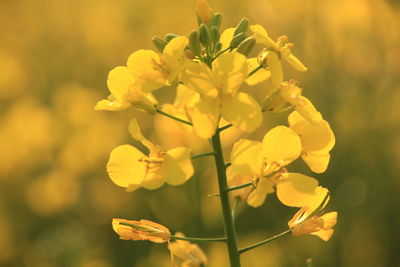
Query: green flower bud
<point x="205" y="35"/>
<point x="243" y="26"/>
<point x="216" y="20"/>
<point x="215" y="34"/>
<point x="170" y="36"/>
<point x="194" y="43"/>
<point x="237" y="39"/>
<point x="247" y="45"/>
<point x="159" y="43"/>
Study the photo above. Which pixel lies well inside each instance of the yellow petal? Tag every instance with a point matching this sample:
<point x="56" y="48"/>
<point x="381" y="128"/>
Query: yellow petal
<point x="275" y="66"/>
<point x="259" y="76"/>
<point x="174" y="56"/>
<point x="243" y="111"/>
<point x="205" y="118"/>
<point x="111" y="105"/>
<point x="230" y="70"/>
<point x="199" y="77"/>
<point x="295" y="62"/>
<point x="304" y="106"/>
<point x="281" y="145"/>
<point x="226" y="38"/>
<point x="329" y="219"/>
<point x="118" y="82"/>
<point x="246" y="157"/>
<point x="298" y="190"/>
<point x="314" y="137"/>
<point x="185" y="97"/>
<point x="136" y="134"/>
<point x="259" y="194"/>
<point x="318" y="162"/>
<point x="125" y="166"/>
<point x="324" y="234"/>
<point x="154" y="179"/>
<point x="146" y="64"/>
<point x="177" y="166"/>
<point x="261" y="35"/>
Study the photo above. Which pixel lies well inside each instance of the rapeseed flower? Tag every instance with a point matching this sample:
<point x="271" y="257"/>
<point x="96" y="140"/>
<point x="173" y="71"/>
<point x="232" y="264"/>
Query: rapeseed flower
<point x="264" y="162"/>
<point x="190" y="254"/>
<point x="130" y="168"/>
<point x="218" y="88"/>
<point x="141" y="230"/>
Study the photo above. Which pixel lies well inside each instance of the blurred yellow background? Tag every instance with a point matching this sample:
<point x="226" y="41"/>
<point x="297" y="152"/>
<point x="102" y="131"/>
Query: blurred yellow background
<point x="56" y="201"/>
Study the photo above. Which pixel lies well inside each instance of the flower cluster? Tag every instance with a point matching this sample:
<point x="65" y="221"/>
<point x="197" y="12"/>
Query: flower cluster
<point x="208" y="71"/>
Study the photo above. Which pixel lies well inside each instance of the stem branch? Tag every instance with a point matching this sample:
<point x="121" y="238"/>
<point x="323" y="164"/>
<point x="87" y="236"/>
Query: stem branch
<point x="199" y="239"/>
<point x="173" y="117"/>
<point x="242" y="250"/>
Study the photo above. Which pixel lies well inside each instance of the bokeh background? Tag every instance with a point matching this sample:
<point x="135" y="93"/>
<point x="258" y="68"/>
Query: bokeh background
<point x="56" y="201"/>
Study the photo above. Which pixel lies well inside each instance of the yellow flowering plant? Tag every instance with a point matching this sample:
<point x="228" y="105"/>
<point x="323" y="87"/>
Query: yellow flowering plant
<point x="207" y="71"/>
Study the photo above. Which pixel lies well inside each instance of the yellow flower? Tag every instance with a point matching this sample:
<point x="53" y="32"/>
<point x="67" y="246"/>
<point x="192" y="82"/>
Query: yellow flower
<point x="309" y="220"/>
<point x="141" y="230"/>
<point x="130" y="168"/>
<point x="270" y="57"/>
<point x="316" y="140"/>
<point x="259" y="76"/>
<point x="219" y="95"/>
<point x="264" y="163"/>
<point x="190" y="254"/>
<point x="146" y="71"/>
<point x="125" y="92"/>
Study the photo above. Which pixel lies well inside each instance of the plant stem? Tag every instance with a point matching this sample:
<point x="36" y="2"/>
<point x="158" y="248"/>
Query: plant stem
<point x="173" y="117"/>
<point x="220" y="53"/>
<point x="225" y="127"/>
<point x="199" y="239"/>
<point x="255" y="70"/>
<point x="239" y="186"/>
<point x="242" y="250"/>
<point x="229" y="227"/>
<point x="234" y="208"/>
<point x="203" y="155"/>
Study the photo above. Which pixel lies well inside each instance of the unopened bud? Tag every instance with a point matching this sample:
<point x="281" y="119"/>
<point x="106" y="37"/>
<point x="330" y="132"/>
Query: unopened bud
<point x="194" y="43"/>
<point x="237" y="39"/>
<point x="218" y="47"/>
<point x="216" y="20"/>
<point x="159" y="43"/>
<point x="203" y="11"/>
<point x="243" y="26"/>
<point x="215" y="34"/>
<point x="170" y="36"/>
<point x="246" y="46"/>
<point x="205" y="35"/>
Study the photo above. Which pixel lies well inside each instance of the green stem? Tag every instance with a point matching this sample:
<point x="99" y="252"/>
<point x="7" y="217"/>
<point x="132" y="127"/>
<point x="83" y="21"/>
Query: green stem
<point x="203" y="155"/>
<point x="220" y="53"/>
<point x="242" y="250"/>
<point x="199" y="239"/>
<point x="229" y="227"/>
<point x="255" y="70"/>
<point x="225" y="127"/>
<point x="228" y="164"/>
<point x="239" y="186"/>
<point x="173" y="117"/>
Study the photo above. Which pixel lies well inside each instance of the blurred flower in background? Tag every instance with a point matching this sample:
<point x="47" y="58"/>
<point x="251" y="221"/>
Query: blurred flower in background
<point x="56" y="201"/>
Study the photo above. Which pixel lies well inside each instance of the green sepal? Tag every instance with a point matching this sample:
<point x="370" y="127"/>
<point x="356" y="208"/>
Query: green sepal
<point x="215" y="34"/>
<point x="194" y="43"/>
<point x="205" y="35"/>
<point x="159" y="43"/>
<point x="170" y="36"/>
<point x="243" y="26"/>
<point x="216" y="20"/>
<point x="247" y="45"/>
<point x="237" y="39"/>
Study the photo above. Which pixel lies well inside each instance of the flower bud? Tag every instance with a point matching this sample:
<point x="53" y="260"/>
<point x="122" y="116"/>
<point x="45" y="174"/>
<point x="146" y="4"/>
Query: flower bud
<point x="216" y="20"/>
<point x="237" y="39"/>
<point x="246" y="46"/>
<point x="243" y="26"/>
<point x="170" y="36"/>
<point x="205" y="35"/>
<point x="203" y="11"/>
<point x="215" y="34"/>
<point x="194" y="43"/>
<point x="159" y="43"/>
